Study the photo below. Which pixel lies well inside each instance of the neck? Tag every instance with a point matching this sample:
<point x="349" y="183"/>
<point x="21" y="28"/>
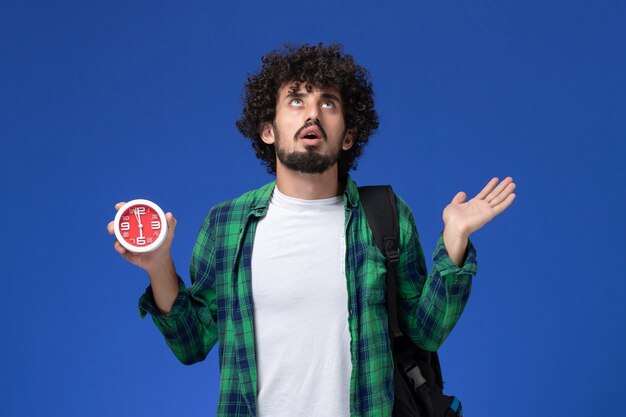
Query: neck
<point x="308" y="186"/>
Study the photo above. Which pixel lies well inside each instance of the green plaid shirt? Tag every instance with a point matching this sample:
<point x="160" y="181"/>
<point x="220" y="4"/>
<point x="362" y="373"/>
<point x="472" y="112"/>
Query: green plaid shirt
<point x="218" y="305"/>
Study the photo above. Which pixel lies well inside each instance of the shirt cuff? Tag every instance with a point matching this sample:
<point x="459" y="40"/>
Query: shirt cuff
<point x="148" y="305"/>
<point x="446" y="267"/>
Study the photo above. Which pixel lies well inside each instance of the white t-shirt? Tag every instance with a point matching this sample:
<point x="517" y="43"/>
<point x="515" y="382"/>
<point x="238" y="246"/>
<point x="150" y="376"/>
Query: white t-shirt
<point x="300" y="299"/>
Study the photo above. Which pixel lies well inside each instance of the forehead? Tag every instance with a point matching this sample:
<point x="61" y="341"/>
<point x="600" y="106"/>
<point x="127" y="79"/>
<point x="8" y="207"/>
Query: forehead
<point x="306" y="88"/>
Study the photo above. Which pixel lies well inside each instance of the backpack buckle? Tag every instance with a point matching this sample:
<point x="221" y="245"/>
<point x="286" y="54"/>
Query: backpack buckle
<point x="414" y="375"/>
<point x="393" y="256"/>
<point x="391" y="251"/>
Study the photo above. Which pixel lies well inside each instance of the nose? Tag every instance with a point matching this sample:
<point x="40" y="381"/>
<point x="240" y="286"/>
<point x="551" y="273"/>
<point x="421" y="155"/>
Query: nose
<point x="312" y="111"/>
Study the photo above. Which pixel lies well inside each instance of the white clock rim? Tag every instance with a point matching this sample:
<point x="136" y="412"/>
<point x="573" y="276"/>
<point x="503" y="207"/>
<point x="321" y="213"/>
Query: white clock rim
<point x="142" y="249"/>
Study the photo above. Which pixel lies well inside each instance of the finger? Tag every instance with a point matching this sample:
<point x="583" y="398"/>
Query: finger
<point x="503" y="195"/>
<point x="119" y="248"/>
<point x="110" y="228"/>
<point x="119" y="205"/>
<point x="171" y="224"/>
<point x="171" y="227"/>
<point x="504" y="205"/>
<point x="171" y="221"/>
<point x="490" y="186"/>
<point x="495" y="192"/>
<point x="459" y="198"/>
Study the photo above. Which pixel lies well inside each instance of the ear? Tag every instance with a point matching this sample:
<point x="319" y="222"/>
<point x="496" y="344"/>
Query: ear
<point x="348" y="140"/>
<point x="266" y="131"/>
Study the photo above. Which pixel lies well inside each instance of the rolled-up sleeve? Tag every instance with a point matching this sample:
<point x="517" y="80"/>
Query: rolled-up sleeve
<point x="431" y="304"/>
<point x="190" y="328"/>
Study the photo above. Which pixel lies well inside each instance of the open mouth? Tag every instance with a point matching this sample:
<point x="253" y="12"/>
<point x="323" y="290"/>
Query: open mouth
<point x="312" y="135"/>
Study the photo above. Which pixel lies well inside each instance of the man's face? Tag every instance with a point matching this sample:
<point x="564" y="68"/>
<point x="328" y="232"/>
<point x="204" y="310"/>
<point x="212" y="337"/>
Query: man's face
<point x="308" y="131"/>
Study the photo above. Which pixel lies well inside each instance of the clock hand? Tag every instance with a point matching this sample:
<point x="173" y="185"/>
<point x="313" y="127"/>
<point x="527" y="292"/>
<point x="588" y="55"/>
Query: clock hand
<point x="138" y="216"/>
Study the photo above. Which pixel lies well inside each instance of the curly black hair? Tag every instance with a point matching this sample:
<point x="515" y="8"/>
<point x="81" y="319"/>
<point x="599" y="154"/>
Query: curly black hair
<point x="317" y="66"/>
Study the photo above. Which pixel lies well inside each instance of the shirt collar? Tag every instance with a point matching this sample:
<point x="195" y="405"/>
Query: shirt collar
<point x="261" y="198"/>
<point x="351" y="193"/>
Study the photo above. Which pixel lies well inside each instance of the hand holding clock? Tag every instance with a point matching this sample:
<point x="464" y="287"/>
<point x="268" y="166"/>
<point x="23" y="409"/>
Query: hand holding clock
<point x="157" y="262"/>
<point x="147" y="260"/>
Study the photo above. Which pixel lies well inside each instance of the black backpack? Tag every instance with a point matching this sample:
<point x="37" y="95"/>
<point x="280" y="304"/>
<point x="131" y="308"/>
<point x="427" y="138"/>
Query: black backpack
<point x="417" y="373"/>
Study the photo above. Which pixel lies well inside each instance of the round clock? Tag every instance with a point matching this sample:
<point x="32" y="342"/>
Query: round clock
<point x="140" y="226"/>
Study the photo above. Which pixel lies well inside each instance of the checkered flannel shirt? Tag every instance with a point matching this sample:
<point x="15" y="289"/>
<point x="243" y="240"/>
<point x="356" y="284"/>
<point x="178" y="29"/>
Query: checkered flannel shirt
<point x="218" y="307"/>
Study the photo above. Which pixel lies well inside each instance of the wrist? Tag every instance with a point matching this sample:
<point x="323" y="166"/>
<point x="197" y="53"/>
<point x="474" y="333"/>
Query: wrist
<point x="456" y="245"/>
<point x="160" y="266"/>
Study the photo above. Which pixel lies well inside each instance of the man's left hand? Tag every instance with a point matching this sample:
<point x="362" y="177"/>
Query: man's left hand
<point x="464" y="218"/>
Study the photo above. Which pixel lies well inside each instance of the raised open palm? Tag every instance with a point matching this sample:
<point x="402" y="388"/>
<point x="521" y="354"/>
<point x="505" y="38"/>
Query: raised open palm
<point x="467" y="217"/>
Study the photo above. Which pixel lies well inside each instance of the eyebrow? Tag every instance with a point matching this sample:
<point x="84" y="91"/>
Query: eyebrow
<point x="296" y="94"/>
<point x="331" y="96"/>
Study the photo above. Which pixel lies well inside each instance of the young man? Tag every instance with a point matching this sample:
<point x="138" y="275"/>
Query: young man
<point x="288" y="278"/>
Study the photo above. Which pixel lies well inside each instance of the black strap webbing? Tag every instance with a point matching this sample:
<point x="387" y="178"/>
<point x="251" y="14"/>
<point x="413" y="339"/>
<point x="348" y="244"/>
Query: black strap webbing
<point x="379" y="204"/>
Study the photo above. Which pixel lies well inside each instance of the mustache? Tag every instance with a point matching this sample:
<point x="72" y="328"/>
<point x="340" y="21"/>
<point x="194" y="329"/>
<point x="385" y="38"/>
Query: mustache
<point x="308" y="124"/>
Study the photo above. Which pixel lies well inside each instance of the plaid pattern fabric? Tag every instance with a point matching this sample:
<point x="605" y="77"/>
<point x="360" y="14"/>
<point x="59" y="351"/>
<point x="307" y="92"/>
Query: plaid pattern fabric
<point x="218" y="305"/>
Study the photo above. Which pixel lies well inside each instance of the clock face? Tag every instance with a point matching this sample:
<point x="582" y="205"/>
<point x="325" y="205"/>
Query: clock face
<point x="140" y="226"/>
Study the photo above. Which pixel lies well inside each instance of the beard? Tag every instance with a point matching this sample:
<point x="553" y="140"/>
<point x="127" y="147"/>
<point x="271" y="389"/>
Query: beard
<point x="307" y="162"/>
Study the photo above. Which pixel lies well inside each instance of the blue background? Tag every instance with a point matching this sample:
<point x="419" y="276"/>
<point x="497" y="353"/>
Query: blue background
<point x="107" y="101"/>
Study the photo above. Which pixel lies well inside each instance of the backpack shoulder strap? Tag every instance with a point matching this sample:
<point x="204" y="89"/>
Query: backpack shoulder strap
<point x="379" y="205"/>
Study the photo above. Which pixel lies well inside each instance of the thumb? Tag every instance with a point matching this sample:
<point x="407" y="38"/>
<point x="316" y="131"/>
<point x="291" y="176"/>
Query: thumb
<point x="459" y="198"/>
<point x="171" y="221"/>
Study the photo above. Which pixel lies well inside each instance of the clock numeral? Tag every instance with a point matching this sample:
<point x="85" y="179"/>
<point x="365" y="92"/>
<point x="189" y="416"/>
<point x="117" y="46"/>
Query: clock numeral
<point x="141" y="240"/>
<point x="125" y="226"/>
<point x="150" y="240"/>
<point x="140" y="210"/>
<point x="155" y="217"/>
<point x="125" y="218"/>
<point x="155" y="233"/>
<point x="155" y="225"/>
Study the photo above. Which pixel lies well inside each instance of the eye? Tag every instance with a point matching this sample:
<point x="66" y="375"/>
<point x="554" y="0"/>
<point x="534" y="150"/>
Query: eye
<point x="296" y="102"/>
<point x="328" y="105"/>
